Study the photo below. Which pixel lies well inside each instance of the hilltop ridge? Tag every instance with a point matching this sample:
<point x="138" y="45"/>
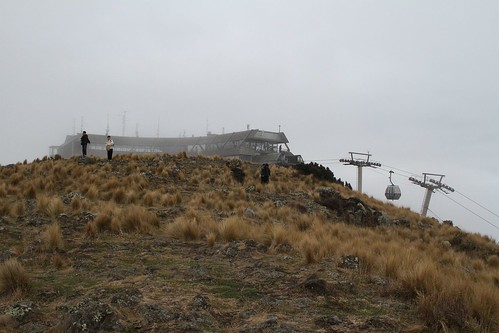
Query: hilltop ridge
<point x="171" y="243"/>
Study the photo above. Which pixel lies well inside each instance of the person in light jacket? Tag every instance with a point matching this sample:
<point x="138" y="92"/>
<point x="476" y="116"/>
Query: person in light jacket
<point x="84" y="142"/>
<point x="109" y="148"/>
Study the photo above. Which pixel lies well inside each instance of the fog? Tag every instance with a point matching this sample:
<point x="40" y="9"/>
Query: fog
<point x="413" y="83"/>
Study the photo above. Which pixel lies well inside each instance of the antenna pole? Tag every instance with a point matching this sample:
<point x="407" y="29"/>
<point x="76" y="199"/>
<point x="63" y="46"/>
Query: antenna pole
<point x="360" y="161"/>
<point x="124" y="123"/>
<point x="107" y="128"/>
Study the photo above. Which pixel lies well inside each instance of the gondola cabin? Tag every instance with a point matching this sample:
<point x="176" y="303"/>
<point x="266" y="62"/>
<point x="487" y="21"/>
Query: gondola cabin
<point x="393" y="192"/>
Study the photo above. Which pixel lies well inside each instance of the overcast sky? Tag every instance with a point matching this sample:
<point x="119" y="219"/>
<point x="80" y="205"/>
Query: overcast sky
<point x="414" y="83"/>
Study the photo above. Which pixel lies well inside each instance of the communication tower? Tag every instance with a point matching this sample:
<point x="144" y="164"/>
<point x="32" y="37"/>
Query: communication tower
<point x="432" y="182"/>
<point x="360" y="160"/>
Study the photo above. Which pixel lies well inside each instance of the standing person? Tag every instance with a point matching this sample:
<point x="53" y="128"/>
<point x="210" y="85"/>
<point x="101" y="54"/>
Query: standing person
<point x="109" y="148"/>
<point x="265" y="173"/>
<point x="84" y="142"/>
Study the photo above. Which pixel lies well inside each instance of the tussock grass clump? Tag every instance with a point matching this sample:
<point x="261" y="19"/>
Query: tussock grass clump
<point x="311" y="249"/>
<point x="49" y="206"/>
<point x="104" y="220"/>
<point x="5" y="208"/>
<point x="3" y="190"/>
<point x="20" y="208"/>
<point x="15" y="179"/>
<point x="137" y="219"/>
<point x="493" y="261"/>
<point x="58" y="261"/>
<point x="184" y="228"/>
<point x="90" y="191"/>
<point x="119" y="195"/>
<point x="52" y="238"/>
<point x="13" y="277"/>
<point x="171" y="199"/>
<point x="76" y="203"/>
<point x="151" y="198"/>
<point x="30" y="191"/>
<point x="234" y="228"/>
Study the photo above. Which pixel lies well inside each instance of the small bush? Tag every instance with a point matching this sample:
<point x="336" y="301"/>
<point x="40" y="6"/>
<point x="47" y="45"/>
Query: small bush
<point x="13" y="277"/>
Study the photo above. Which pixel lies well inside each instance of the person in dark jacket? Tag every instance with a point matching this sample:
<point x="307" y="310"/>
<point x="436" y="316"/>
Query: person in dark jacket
<point x="84" y="142"/>
<point x="265" y="173"/>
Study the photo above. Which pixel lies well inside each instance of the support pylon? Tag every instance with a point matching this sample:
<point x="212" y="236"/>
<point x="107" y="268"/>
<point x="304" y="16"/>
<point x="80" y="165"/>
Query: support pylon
<point x="360" y="162"/>
<point x="432" y="182"/>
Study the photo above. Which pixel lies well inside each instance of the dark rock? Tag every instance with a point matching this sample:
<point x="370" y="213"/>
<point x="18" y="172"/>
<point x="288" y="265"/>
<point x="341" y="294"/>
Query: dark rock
<point x="315" y="284"/>
<point x="325" y="321"/>
<point x="350" y="262"/>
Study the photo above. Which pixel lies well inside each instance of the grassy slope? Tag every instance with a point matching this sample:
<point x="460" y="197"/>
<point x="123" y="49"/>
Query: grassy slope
<point x="169" y="243"/>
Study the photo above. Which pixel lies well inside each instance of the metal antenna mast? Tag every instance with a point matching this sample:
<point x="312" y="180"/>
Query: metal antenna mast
<point x="107" y="128"/>
<point x="432" y="182"/>
<point x="360" y="162"/>
<point x="124" y="123"/>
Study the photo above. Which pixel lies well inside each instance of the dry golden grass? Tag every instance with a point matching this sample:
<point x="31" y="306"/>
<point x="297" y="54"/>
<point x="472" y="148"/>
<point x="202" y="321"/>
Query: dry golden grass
<point x="30" y="191"/>
<point x="184" y="228"/>
<point x="311" y="250"/>
<point x="5" y="208"/>
<point x="211" y="238"/>
<point x="234" y="228"/>
<point x="171" y="199"/>
<point x="49" y="206"/>
<point x="15" y="179"/>
<point x="52" y="238"/>
<point x="91" y="229"/>
<point x="493" y="261"/>
<point x="137" y="219"/>
<point x="90" y="191"/>
<point x="151" y="198"/>
<point x="76" y="203"/>
<point x="104" y="220"/>
<point x="19" y="208"/>
<point x="58" y="261"/>
<point x="3" y="190"/>
<point x="13" y="277"/>
<point x="119" y="195"/>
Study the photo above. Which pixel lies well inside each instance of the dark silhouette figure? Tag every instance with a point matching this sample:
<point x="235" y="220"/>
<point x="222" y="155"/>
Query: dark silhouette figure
<point x="84" y="142"/>
<point x="265" y="173"/>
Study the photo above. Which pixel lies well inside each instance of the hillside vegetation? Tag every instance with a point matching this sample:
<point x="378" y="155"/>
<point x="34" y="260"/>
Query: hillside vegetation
<point x="164" y="243"/>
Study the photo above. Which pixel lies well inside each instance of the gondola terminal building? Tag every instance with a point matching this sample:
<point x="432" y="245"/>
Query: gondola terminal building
<point x="252" y="145"/>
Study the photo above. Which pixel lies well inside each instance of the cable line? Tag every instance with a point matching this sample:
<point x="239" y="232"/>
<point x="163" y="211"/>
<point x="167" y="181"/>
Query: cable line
<point x="438" y="217"/>
<point x="476" y="203"/>
<point x="472" y="212"/>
